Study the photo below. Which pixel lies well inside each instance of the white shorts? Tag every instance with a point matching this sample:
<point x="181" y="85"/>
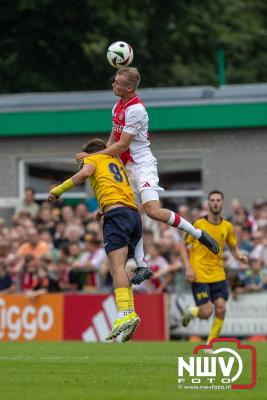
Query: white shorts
<point x="144" y="180"/>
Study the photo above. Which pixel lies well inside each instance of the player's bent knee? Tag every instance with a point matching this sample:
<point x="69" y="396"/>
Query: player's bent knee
<point x="220" y="312"/>
<point x="205" y="312"/>
<point x="205" y="315"/>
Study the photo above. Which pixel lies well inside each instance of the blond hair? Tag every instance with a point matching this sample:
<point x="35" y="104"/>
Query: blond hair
<point x="132" y="75"/>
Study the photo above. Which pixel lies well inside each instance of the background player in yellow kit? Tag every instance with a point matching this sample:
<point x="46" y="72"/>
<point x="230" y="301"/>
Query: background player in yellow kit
<point x="207" y="272"/>
<point x="122" y="229"/>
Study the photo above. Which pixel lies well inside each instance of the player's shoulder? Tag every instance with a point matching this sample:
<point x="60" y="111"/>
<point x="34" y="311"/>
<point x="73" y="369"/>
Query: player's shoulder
<point x="137" y="107"/>
<point x="200" y="221"/>
<point x="228" y="224"/>
<point x="94" y="158"/>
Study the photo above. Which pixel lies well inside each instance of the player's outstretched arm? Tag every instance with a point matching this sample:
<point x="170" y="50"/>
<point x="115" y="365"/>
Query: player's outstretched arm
<point x="75" y="180"/>
<point x="82" y="155"/>
<point x="114" y="150"/>
<point x="119" y="147"/>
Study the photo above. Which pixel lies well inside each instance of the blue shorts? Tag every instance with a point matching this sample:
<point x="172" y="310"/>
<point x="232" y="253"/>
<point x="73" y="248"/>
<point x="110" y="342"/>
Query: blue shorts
<point x="122" y="227"/>
<point x="204" y="292"/>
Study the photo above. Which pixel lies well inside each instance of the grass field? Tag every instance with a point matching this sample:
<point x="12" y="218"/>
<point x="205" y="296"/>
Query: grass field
<point x="75" y="371"/>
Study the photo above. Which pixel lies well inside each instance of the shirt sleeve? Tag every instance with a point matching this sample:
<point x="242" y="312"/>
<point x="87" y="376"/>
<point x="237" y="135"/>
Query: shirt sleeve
<point x="231" y="238"/>
<point x="134" y="119"/>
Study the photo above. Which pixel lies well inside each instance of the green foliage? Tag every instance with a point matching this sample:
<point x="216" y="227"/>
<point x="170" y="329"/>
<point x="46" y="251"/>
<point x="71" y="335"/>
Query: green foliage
<point x="49" y="45"/>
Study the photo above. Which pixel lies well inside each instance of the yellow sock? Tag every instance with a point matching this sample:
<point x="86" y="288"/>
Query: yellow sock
<point x="194" y="311"/>
<point x="216" y="328"/>
<point x="122" y="300"/>
<point x="131" y="298"/>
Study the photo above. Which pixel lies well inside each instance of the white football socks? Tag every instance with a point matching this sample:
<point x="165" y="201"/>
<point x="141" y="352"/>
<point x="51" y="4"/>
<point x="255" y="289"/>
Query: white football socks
<point x="189" y="228"/>
<point x="179" y="222"/>
<point x="139" y="255"/>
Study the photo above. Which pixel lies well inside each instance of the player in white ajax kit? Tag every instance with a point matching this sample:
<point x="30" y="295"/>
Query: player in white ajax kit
<point x="129" y="140"/>
<point x="141" y="165"/>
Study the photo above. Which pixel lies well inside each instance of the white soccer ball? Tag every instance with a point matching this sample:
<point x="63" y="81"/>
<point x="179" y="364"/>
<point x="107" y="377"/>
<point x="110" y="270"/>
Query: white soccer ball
<point x="119" y="54"/>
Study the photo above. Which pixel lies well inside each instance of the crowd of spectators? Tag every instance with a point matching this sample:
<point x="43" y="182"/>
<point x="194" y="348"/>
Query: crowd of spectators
<point x="55" y="247"/>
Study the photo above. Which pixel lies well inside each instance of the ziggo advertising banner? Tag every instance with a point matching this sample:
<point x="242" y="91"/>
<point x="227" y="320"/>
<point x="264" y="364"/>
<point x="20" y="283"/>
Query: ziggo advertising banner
<point x="76" y="317"/>
<point x="38" y="318"/>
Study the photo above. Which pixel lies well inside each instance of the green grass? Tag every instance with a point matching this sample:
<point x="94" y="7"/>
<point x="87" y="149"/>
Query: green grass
<point x="75" y="371"/>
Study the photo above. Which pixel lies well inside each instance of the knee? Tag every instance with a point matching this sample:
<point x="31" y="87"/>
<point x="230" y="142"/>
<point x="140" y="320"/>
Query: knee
<point x="205" y="312"/>
<point x="220" y="311"/>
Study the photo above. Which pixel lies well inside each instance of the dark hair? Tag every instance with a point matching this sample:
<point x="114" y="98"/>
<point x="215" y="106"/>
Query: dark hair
<point x="30" y="189"/>
<point x="215" y="192"/>
<point x="94" y="145"/>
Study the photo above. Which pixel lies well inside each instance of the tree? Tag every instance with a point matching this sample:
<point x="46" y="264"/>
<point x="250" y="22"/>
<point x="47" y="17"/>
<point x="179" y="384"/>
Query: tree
<point x="49" y="45"/>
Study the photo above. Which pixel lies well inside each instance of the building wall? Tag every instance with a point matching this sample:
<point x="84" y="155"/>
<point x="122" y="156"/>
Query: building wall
<point x="234" y="161"/>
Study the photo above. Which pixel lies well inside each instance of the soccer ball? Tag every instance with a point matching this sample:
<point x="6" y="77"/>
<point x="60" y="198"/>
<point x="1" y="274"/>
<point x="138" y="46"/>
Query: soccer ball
<point x="119" y="54"/>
